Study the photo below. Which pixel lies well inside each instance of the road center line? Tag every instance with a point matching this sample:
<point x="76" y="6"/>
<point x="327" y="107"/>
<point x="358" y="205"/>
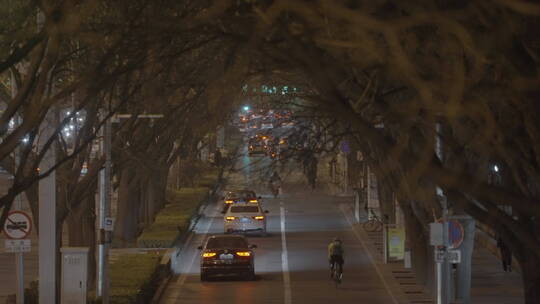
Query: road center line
<point x="371" y="259"/>
<point x="284" y="258"/>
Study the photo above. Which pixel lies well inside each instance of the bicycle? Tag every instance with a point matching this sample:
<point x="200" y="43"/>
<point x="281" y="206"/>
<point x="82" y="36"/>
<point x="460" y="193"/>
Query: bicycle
<point x="336" y="272"/>
<point x="275" y="188"/>
<point x="374" y="223"/>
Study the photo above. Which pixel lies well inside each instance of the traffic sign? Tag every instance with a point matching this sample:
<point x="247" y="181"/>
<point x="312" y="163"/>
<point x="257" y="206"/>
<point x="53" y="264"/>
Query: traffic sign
<point x="440" y="254"/>
<point x="18" y="245"/>
<point x="18" y="225"/>
<point x="455" y="233"/>
<point x="108" y="224"/>
<point x="454" y="256"/>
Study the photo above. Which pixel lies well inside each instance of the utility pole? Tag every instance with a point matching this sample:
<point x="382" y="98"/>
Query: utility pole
<point x="47" y="209"/>
<point x="47" y="222"/>
<point x="19" y="257"/>
<point x="105" y="219"/>
<point x="444" y="287"/>
<point x="104" y="216"/>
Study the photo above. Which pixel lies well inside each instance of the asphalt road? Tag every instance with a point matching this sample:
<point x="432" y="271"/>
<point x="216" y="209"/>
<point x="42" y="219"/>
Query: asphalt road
<point x="291" y="262"/>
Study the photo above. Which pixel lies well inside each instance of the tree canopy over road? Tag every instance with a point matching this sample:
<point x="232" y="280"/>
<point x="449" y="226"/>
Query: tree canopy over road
<point x="459" y="74"/>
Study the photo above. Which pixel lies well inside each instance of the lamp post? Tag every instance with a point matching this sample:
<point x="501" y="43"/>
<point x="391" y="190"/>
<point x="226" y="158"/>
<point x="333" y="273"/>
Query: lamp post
<point x="105" y="220"/>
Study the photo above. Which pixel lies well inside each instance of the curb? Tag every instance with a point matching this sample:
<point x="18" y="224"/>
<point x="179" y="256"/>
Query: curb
<point x="179" y="243"/>
<point x="384" y="270"/>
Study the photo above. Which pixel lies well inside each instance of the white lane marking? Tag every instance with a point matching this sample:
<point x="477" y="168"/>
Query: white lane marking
<point x="284" y="258"/>
<point x="189" y="266"/>
<point x="372" y="260"/>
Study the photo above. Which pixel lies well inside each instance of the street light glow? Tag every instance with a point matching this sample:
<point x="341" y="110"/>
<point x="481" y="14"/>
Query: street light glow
<point x="246" y="108"/>
<point x="496" y="168"/>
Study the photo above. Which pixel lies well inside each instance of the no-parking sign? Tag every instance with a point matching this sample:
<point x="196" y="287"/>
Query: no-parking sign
<point x="455" y="233"/>
<point x="18" y="225"/>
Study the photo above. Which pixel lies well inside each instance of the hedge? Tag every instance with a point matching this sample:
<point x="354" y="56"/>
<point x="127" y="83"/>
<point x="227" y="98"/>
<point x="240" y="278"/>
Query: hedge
<point x="134" y="278"/>
<point x="174" y="218"/>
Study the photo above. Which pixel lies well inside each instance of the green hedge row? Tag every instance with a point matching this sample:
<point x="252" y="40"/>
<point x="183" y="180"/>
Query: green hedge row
<point x="134" y="278"/>
<point x="174" y="218"/>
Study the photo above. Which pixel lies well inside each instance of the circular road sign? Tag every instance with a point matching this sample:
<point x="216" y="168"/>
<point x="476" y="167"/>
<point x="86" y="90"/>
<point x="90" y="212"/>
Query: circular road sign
<point x="455" y="233"/>
<point x="18" y="225"/>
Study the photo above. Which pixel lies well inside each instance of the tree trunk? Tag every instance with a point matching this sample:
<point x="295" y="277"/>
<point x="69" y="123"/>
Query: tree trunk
<point x="422" y="260"/>
<point x="32" y="195"/>
<point x="161" y="189"/>
<point x="530" y="274"/>
<point x="386" y="200"/>
<point x="126" y="228"/>
<point x="530" y="267"/>
<point x="151" y="199"/>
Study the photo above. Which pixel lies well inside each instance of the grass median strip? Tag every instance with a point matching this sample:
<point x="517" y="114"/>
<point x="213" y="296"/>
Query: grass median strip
<point x="174" y="218"/>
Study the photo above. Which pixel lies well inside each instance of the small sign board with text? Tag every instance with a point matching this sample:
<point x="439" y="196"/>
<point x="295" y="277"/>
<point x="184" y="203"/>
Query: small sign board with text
<point x="24" y="245"/>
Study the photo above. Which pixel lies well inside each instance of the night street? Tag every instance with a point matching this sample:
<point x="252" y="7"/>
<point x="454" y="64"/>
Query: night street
<point x="296" y="273"/>
<point x="269" y="151"/>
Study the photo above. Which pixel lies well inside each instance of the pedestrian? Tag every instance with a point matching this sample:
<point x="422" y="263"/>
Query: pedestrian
<point x="218" y="159"/>
<point x="506" y="255"/>
<point x="312" y="172"/>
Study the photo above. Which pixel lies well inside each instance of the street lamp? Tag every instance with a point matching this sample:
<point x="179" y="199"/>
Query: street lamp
<point x="246" y="108"/>
<point x="105" y="221"/>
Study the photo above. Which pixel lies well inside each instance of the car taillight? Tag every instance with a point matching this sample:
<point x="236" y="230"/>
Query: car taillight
<point x="243" y="253"/>
<point x="259" y="217"/>
<point x="229" y="201"/>
<point x="253" y="201"/>
<point x="230" y="218"/>
<point x="208" y="254"/>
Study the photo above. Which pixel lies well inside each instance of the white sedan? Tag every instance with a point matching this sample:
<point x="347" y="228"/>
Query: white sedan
<point x="245" y="218"/>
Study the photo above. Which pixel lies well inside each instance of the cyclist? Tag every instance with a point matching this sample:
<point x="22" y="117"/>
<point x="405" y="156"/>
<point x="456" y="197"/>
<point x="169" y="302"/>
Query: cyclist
<point x="335" y="255"/>
<point x="275" y="183"/>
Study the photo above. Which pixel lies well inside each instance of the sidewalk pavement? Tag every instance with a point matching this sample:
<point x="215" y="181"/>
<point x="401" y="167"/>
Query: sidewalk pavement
<point x="490" y="284"/>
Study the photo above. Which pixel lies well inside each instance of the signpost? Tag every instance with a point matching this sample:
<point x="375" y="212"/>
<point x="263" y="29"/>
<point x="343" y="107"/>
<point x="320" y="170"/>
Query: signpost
<point x="446" y="235"/>
<point x="17" y="228"/>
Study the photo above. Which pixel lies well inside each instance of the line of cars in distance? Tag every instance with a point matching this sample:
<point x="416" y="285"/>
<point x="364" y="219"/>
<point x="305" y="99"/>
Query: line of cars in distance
<point x="260" y="119"/>
<point x="230" y="253"/>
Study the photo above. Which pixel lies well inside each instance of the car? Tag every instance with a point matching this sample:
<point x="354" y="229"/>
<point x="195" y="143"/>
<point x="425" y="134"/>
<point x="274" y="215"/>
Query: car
<point x="245" y="218"/>
<point x="267" y="123"/>
<point x="239" y="196"/>
<point x="283" y="143"/>
<point x="256" y="146"/>
<point x="227" y="255"/>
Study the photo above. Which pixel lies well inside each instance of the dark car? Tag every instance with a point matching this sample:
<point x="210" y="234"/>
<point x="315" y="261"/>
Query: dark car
<point x="239" y="196"/>
<point x="227" y="255"/>
<point x="256" y="146"/>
